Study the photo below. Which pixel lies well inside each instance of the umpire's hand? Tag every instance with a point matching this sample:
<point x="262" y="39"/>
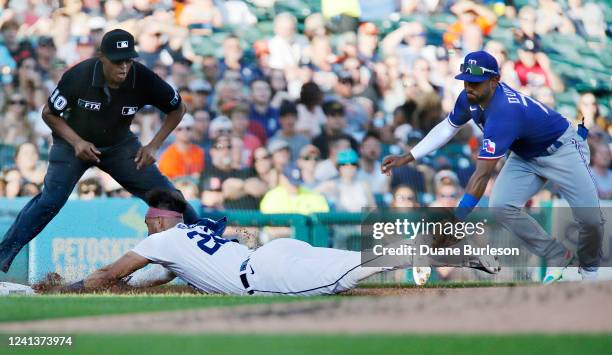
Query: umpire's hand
<point x="145" y="156"/>
<point x="85" y="150"/>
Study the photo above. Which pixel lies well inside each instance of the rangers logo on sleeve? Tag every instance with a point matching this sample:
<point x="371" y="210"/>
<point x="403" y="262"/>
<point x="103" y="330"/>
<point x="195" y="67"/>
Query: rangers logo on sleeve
<point x="488" y="146"/>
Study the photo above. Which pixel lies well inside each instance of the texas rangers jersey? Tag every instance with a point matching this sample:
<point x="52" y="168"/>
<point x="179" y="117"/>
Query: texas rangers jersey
<point x="199" y="256"/>
<point x="511" y="121"/>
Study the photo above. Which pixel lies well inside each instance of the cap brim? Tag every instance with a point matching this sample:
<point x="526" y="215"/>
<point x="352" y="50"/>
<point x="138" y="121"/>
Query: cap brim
<point x="472" y="78"/>
<point x="120" y="56"/>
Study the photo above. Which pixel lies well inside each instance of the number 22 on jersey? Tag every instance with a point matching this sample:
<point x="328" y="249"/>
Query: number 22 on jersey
<point x="209" y="243"/>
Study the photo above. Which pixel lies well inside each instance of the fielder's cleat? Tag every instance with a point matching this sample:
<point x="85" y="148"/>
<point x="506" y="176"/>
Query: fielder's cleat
<point x="486" y="263"/>
<point x="588" y="275"/>
<point x="555" y="273"/>
<point x="421" y="274"/>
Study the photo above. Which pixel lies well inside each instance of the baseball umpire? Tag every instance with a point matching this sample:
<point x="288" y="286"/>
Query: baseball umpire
<point x="90" y="113"/>
<point x="544" y="146"/>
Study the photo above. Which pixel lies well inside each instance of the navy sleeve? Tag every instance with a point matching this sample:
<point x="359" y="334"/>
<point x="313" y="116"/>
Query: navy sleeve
<point x="500" y="131"/>
<point x="460" y="114"/>
<point x="159" y="93"/>
<point x="62" y="98"/>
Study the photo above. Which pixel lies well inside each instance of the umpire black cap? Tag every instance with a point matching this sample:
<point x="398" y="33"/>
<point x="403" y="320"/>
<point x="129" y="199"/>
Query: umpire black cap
<point x="118" y="45"/>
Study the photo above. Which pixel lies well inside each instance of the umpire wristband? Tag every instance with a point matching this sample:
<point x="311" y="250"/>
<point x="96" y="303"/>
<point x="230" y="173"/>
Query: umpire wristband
<point x="467" y="204"/>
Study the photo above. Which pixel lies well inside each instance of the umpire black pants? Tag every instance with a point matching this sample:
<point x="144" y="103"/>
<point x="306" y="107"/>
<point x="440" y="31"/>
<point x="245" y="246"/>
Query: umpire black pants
<point x="63" y="173"/>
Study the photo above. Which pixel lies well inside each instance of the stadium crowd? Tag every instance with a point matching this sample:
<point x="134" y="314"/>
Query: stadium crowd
<point x="292" y="105"/>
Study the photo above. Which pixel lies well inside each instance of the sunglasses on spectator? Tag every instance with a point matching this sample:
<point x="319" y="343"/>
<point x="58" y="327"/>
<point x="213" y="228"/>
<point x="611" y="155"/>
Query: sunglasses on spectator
<point x="122" y="61"/>
<point x="265" y="157"/>
<point x="17" y="102"/>
<point x="348" y="164"/>
<point x="475" y="69"/>
<point x="405" y="198"/>
<point x="310" y="157"/>
<point x="183" y="128"/>
<point x="222" y="146"/>
<point x="448" y="195"/>
<point x="88" y="189"/>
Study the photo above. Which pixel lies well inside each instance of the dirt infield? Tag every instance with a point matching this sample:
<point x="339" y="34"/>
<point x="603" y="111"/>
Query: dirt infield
<point x="567" y="307"/>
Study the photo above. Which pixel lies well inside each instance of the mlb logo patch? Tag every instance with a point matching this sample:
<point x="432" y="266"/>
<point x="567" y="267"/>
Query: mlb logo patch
<point x="488" y="146"/>
<point x="122" y="44"/>
<point x="129" y="110"/>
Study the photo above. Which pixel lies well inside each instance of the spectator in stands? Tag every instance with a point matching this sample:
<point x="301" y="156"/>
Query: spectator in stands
<point x="188" y="188"/>
<point x="30" y="84"/>
<point x="212" y="195"/>
<point x="201" y="125"/>
<point x="280" y="90"/>
<point x="19" y="49"/>
<point x="281" y="154"/>
<point x="88" y="189"/>
<point x="447" y="194"/>
<point x="527" y="26"/>
<point x="27" y="162"/>
<point x="290" y="197"/>
<point x="334" y="128"/>
<point x="200" y="14"/>
<point x="15" y="128"/>
<point x="45" y="53"/>
<point x="588" y="19"/>
<point x="261" y="110"/>
<point x="588" y="109"/>
<point x="220" y="126"/>
<point x="233" y="60"/>
<point x="347" y="192"/>
<point x="29" y="189"/>
<point x="150" y="44"/>
<point x="507" y="73"/>
<point x="246" y="141"/>
<point x="327" y="169"/>
<point x="552" y="18"/>
<point x="533" y="68"/>
<point x="404" y="197"/>
<point x="262" y="164"/>
<point x="210" y="69"/>
<point x="321" y="61"/>
<point x="288" y="118"/>
<point x="367" y="43"/>
<point x="356" y="117"/>
<point x="182" y="157"/>
<point x="546" y="96"/>
<point x="307" y="162"/>
<point x="14" y="182"/>
<point x="200" y="91"/>
<point x="407" y="43"/>
<point x="221" y="174"/>
<point x="286" y="46"/>
<point x="180" y="73"/>
<point x="468" y="13"/>
<point x="310" y="112"/>
<point x="369" y="164"/>
<point x="600" y="163"/>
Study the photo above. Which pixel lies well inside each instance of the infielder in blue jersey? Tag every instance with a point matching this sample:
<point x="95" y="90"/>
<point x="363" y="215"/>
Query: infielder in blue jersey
<point x="543" y="146"/>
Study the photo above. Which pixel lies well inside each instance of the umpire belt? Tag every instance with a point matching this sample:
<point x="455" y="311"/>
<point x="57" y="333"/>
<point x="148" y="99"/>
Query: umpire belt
<point x="243" y="276"/>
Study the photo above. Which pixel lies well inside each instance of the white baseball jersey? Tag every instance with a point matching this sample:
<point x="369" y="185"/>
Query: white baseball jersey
<point x="283" y="266"/>
<point x="198" y="256"/>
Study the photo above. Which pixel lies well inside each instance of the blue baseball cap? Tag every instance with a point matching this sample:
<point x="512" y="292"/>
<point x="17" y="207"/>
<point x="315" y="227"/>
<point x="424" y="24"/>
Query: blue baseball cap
<point x="478" y="67"/>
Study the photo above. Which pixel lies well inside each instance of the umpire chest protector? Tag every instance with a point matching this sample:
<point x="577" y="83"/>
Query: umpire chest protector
<point x="102" y="115"/>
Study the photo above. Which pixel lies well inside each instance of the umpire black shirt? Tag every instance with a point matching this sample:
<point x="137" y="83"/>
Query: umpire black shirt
<point x="102" y="115"/>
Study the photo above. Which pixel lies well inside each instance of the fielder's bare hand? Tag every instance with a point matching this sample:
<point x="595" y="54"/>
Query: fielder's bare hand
<point x="395" y="161"/>
<point x="85" y="150"/>
<point x="145" y="156"/>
